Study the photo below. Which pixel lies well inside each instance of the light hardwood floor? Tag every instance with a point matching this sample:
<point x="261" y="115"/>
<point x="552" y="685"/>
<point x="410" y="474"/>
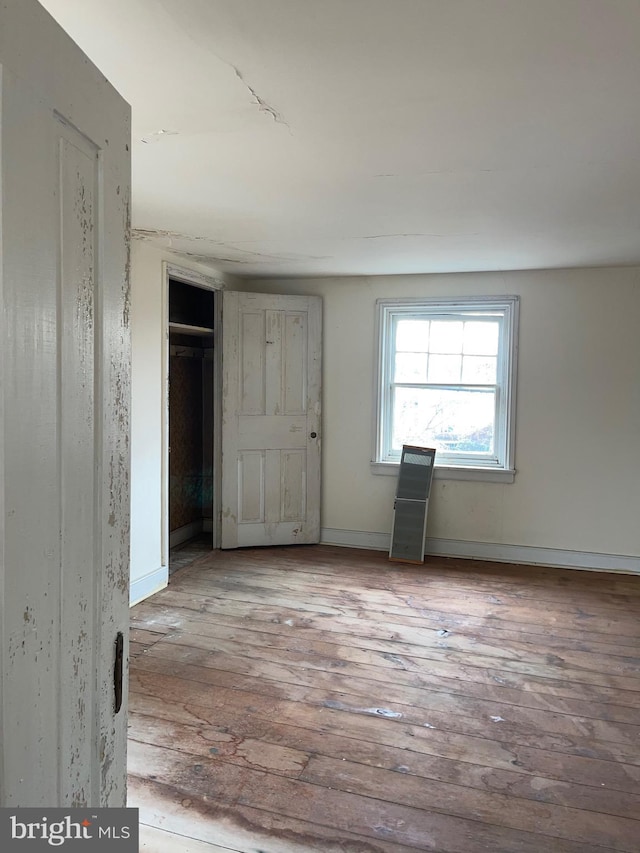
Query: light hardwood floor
<point x="313" y="698"/>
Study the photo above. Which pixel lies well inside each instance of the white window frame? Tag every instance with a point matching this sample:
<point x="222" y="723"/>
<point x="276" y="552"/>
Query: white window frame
<point x="499" y="468"/>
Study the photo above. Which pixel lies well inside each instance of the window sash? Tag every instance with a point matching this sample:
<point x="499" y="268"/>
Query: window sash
<point x="471" y="457"/>
<point x="504" y="312"/>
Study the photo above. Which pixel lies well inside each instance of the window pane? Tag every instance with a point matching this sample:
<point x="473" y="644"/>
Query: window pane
<point x="451" y="421"/>
<point x="446" y="336"/>
<point x="481" y="338"/>
<point x="444" y="368"/>
<point x="411" y="367"/>
<point x="479" y="369"/>
<point x="412" y="335"/>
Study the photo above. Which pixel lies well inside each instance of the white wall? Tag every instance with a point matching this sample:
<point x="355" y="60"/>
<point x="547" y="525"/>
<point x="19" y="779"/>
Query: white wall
<point x="147" y="289"/>
<point x="577" y="487"/>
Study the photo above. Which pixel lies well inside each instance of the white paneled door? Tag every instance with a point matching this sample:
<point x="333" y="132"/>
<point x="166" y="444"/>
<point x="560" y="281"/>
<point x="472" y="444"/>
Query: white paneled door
<point x="64" y="420"/>
<point x="271" y="419"/>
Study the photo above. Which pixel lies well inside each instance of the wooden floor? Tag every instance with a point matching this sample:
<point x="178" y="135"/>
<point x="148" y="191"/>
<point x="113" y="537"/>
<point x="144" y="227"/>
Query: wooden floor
<point x="323" y="699"/>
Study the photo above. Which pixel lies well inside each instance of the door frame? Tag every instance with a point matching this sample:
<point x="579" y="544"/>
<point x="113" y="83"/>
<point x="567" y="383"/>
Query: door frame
<point x="206" y="282"/>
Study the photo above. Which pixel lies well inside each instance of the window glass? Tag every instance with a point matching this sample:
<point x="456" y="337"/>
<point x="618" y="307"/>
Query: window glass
<point x="459" y="421"/>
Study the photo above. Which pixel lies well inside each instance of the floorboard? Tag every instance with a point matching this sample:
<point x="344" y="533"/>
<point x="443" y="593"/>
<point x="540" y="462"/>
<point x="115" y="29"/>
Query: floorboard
<point x="323" y="699"/>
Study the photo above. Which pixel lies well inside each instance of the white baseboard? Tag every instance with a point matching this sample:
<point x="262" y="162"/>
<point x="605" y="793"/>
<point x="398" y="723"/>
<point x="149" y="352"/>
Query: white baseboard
<point x="145" y="586"/>
<point x="355" y="539"/>
<point x="491" y="551"/>
<point x="183" y="534"/>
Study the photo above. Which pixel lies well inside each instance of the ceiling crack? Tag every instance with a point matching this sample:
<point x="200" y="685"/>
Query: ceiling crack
<point x="386" y="236"/>
<point x="172" y="240"/>
<point x="262" y="105"/>
<point x="414" y="175"/>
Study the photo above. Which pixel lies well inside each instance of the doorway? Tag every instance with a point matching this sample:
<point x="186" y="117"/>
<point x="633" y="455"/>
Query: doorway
<point x="191" y="434"/>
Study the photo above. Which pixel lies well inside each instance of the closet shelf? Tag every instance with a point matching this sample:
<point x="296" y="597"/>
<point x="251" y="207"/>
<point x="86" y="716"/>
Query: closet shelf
<point x="186" y="329"/>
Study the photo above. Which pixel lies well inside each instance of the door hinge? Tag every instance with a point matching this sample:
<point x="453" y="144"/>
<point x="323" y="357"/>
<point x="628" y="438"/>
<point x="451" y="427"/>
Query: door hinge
<point x="118" y="671"/>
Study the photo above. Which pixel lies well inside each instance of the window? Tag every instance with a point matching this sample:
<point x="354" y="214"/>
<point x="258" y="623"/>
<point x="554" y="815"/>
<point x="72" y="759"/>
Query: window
<point x="447" y="380"/>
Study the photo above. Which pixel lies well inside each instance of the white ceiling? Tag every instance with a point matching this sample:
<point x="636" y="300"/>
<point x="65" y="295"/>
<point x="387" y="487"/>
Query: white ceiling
<point x="329" y="137"/>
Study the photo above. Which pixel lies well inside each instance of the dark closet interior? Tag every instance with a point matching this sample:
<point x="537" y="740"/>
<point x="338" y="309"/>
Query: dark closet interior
<point x="191" y="342"/>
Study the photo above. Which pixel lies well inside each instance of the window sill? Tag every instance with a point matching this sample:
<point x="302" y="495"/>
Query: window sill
<point x="449" y="472"/>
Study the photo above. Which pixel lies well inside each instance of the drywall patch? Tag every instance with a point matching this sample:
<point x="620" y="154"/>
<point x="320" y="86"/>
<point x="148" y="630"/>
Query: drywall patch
<point x="157" y="136"/>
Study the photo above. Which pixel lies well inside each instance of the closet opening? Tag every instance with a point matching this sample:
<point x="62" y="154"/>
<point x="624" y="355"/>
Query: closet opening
<point x="191" y="454"/>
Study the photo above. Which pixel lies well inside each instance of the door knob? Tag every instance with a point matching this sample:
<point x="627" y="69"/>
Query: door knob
<point x="313" y="435"/>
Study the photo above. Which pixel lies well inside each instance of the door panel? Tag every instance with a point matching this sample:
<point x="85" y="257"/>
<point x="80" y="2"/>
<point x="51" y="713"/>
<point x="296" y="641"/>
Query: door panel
<point x="79" y="194"/>
<point x="271" y="419"/>
<point x="294" y="368"/>
<point x="252" y="353"/>
<point x="64" y="417"/>
<point x="293" y="492"/>
<point x="251" y="486"/>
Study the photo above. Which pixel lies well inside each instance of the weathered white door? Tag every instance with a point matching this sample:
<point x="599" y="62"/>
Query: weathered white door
<point x="270" y="419"/>
<point x="64" y="418"/>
